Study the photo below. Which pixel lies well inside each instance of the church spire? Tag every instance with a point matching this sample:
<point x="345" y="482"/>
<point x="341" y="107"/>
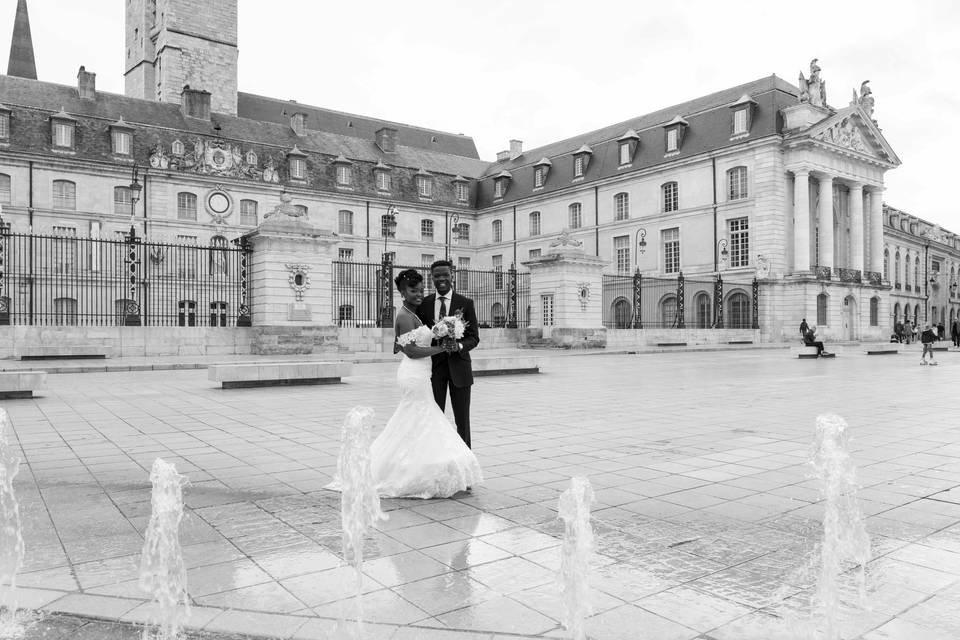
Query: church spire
<point x="21" y="61"/>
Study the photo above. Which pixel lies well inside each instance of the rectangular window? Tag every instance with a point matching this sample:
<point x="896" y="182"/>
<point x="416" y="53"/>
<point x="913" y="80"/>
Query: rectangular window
<point x="576" y="216"/>
<point x="298" y="168"/>
<point x="621" y="253"/>
<point x="463" y="192"/>
<point x="426" y="231"/>
<point x="671" y="197"/>
<point x="737" y="179"/>
<point x="672" y="140"/>
<point x="463" y="233"/>
<point x="343" y="175"/>
<point x="498" y="189"/>
<point x="345" y="255"/>
<point x="535" y="223"/>
<point x="621" y="206"/>
<point x="534" y="254"/>
<point x="186" y="257"/>
<point x="578" y="166"/>
<point x="426" y="259"/>
<point x="383" y="181"/>
<point x="424" y="187"/>
<point x="624" y="153"/>
<point x="497" y="271"/>
<point x="248" y="212"/>
<point x="463" y="274"/>
<point x="64" y="195"/>
<point x="65" y="249"/>
<point x="5" y="188"/>
<point x="122" y="201"/>
<point x="63" y="134"/>
<point x="546" y="305"/>
<point x="538" y="177"/>
<point x="497" y="231"/>
<point x="739" y="232"/>
<point x="739" y="122"/>
<point x="671" y="250"/>
<point x="345" y="222"/>
<point x="122" y="141"/>
<point x="4" y="126"/>
<point x="186" y="206"/>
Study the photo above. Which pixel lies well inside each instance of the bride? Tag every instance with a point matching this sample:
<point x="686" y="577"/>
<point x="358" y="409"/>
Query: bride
<point x="419" y="453"/>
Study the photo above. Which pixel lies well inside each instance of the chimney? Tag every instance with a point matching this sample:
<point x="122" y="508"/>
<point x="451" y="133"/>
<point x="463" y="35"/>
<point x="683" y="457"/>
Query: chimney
<point x="516" y="149"/>
<point x="195" y="103"/>
<point x="86" y="84"/>
<point x="387" y="139"/>
<point x="503" y="156"/>
<point x="298" y="122"/>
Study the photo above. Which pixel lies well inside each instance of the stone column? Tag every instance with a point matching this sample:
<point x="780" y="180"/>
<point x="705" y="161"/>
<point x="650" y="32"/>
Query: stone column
<point x="856" y="226"/>
<point x="826" y="221"/>
<point x="801" y="220"/>
<point x="291" y="286"/>
<point x="876" y="230"/>
<point x="573" y="281"/>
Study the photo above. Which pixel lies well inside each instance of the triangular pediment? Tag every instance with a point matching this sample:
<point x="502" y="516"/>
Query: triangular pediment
<point x="851" y="130"/>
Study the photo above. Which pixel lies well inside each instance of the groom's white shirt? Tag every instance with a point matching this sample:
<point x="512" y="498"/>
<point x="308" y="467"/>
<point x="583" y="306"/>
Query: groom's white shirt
<point x="436" y="304"/>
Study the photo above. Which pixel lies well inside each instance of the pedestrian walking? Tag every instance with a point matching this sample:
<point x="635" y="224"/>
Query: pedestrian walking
<point x="928" y="337"/>
<point x="955" y="332"/>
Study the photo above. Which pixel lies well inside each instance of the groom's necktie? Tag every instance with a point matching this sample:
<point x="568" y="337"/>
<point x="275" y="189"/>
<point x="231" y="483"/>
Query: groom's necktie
<point x="443" y="307"/>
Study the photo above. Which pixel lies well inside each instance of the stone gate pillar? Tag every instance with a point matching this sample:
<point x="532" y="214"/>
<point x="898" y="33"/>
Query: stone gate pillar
<point x="291" y="283"/>
<point x="566" y="295"/>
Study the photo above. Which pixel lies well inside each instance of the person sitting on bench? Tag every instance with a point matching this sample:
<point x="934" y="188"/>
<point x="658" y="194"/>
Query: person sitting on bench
<point x="809" y="339"/>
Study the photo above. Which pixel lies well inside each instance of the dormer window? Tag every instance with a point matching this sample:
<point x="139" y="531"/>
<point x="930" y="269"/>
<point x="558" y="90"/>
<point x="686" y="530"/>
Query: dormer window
<point x="4" y="123"/>
<point x="742" y="116"/>
<point x="297" y="161"/>
<point x="381" y="174"/>
<point x="581" y="158"/>
<point x="501" y="183"/>
<point x="674" y="131"/>
<point x="628" y="144"/>
<point x="121" y="135"/>
<point x="462" y="188"/>
<point x="344" y="171"/>
<point x="540" y="171"/>
<point x="63" y="128"/>
<point x="424" y="184"/>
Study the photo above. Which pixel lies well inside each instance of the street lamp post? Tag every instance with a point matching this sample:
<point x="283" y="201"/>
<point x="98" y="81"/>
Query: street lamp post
<point x="724" y="254"/>
<point x="135" y="189"/>
<point x="453" y="232"/>
<point x="388" y="227"/>
<point x="641" y="243"/>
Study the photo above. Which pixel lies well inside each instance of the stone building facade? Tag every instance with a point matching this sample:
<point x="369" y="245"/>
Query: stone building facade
<point x="764" y="180"/>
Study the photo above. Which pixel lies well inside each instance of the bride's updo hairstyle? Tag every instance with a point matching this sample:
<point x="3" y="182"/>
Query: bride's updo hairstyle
<point x="407" y="278"/>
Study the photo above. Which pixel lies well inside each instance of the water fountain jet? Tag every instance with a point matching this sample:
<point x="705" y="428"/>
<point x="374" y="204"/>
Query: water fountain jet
<point x="11" y="535"/>
<point x="576" y="555"/>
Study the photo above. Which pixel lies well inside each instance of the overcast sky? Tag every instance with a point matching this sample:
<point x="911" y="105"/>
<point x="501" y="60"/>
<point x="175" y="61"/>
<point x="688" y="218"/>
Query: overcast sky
<point x="542" y="71"/>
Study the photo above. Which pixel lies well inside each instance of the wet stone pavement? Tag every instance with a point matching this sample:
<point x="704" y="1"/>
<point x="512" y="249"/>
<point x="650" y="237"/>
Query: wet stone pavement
<point x="705" y="519"/>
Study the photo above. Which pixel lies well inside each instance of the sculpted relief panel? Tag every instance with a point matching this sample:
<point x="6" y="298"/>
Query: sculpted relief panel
<point x="847" y="135"/>
<point x="215" y="158"/>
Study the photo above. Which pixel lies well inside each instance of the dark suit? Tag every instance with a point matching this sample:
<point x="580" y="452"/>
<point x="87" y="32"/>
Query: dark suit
<point x="453" y="370"/>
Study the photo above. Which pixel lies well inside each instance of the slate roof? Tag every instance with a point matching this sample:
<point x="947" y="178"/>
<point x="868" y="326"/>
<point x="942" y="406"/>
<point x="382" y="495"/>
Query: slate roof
<point x="446" y="156"/>
<point x="709" y="119"/>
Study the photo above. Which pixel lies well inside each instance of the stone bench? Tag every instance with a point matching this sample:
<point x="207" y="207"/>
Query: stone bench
<point x="740" y="342"/>
<point x="21" y="384"/>
<point x="671" y="344"/>
<point x="882" y="349"/>
<point x="505" y="365"/>
<point x="62" y="351"/>
<point x="266" y="374"/>
<point x="805" y="352"/>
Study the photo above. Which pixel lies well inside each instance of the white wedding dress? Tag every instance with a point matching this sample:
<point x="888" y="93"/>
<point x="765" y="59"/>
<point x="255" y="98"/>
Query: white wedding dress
<point x="419" y="453"/>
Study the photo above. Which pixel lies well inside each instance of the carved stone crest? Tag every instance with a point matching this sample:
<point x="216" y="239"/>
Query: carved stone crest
<point x="299" y="278"/>
<point x="583" y="294"/>
<point x="566" y="240"/>
<point x="763" y="267"/>
<point x="214" y="157"/>
<point x="284" y="208"/>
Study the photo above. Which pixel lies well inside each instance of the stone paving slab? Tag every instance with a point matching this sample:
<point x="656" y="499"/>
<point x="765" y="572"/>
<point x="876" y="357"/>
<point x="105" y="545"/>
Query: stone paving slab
<point x="705" y="517"/>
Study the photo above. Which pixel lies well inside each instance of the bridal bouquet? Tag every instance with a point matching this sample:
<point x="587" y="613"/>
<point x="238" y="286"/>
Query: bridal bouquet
<point x="451" y="327"/>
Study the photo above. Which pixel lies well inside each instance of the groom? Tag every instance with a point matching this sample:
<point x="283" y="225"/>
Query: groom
<point x="451" y="369"/>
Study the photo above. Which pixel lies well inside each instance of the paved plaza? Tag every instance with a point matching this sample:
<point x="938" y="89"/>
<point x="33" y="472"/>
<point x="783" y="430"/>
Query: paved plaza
<point x="705" y="518"/>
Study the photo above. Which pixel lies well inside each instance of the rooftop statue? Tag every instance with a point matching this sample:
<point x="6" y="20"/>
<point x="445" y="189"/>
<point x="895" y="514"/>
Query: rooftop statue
<point x="285" y="208"/>
<point x="813" y="90"/>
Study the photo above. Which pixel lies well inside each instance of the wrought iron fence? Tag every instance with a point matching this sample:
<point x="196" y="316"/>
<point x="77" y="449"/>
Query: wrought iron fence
<point x="69" y="280"/>
<point x="364" y="294"/>
<point x="644" y="302"/>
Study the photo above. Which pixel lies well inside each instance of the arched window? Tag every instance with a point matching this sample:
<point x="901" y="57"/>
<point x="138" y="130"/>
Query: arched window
<point x="498" y="315"/>
<point x="218" y="256"/>
<point x="122" y="201"/>
<point x="535" y="223"/>
<point x="5" y="189"/>
<point x="187" y="313"/>
<point x="622" y="314"/>
<point x="65" y="311"/>
<point x="186" y="206"/>
<point x="576" y="215"/>
<point x="953" y="282"/>
<point x="916" y="274"/>
<point x="701" y="310"/>
<point x="738" y="311"/>
<point x="737" y="183"/>
<point x="886" y="265"/>
<point x="621" y="206"/>
<point x="874" y="311"/>
<point x="916" y="313"/>
<point x="345" y="315"/>
<point x="498" y="230"/>
<point x="64" y="197"/>
<point x="671" y="197"/>
<point x="668" y="311"/>
<point x="896" y="270"/>
<point x="248" y="212"/>
<point x="896" y="313"/>
<point x="822" y="309"/>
